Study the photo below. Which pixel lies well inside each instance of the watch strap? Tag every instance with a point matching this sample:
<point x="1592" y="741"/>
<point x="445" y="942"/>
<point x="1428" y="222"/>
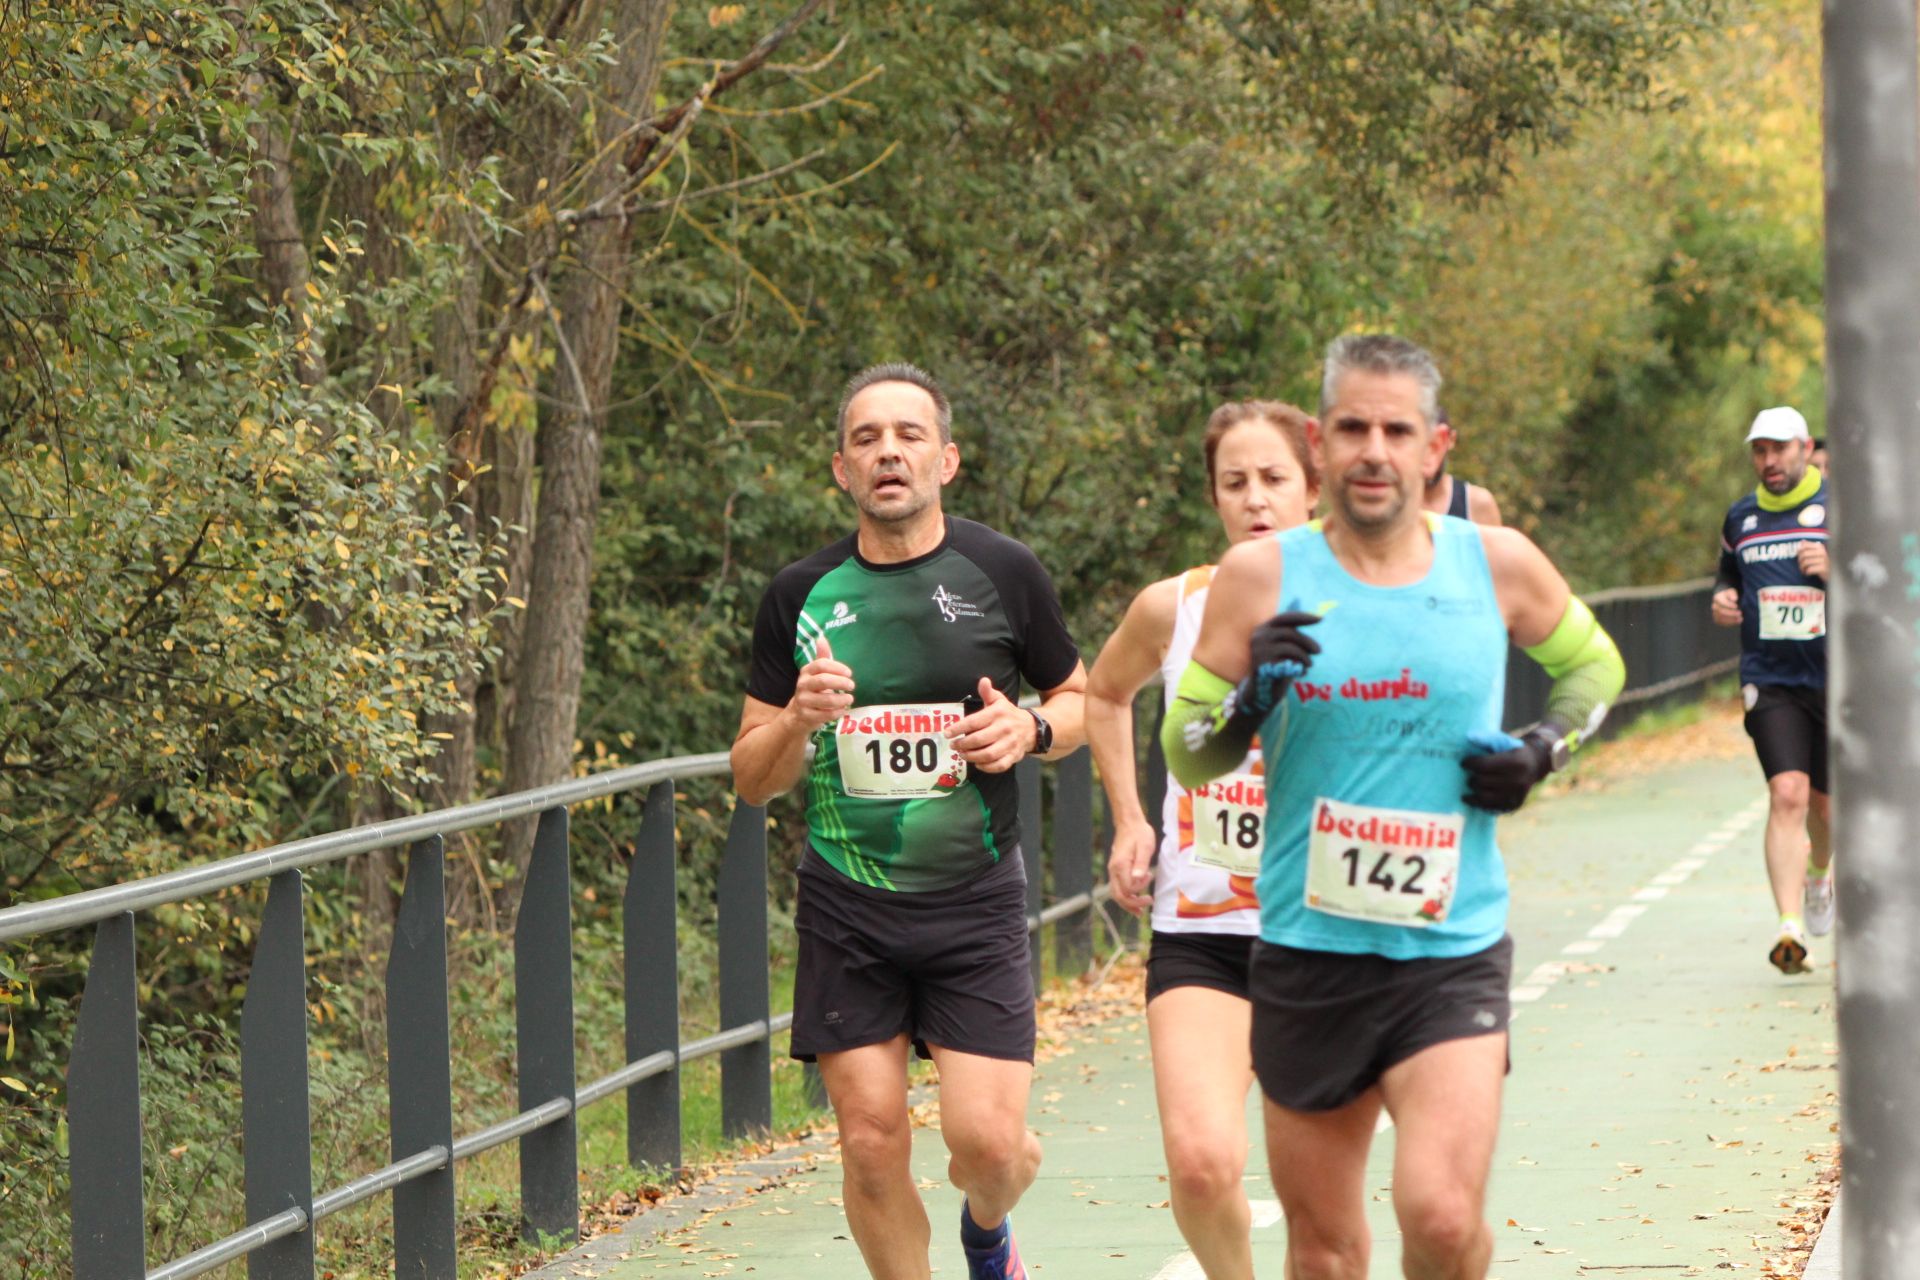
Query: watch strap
<point x="1042" y="732"/>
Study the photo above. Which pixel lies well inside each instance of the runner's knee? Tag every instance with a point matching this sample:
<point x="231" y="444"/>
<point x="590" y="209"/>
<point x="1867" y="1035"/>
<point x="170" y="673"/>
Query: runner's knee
<point x="1204" y="1168"/>
<point x="990" y="1150"/>
<point x="874" y="1143"/>
<point x="1789" y="792"/>
<point x="1440" y="1222"/>
<point x="1325" y="1257"/>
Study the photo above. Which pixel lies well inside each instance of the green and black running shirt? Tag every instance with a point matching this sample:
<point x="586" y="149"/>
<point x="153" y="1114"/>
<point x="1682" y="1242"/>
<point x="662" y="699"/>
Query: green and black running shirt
<point x="888" y="802"/>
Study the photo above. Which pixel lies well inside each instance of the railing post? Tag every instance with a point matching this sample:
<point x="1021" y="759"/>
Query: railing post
<point x="1073" y="860"/>
<point x="746" y="1071"/>
<point x="278" y="1141"/>
<point x="419" y="1068"/>
<point x="1033" y="849"/>
<point x="103" y="1115"/>
<point x="648" y="935"/>
<point x="543" y="981"/>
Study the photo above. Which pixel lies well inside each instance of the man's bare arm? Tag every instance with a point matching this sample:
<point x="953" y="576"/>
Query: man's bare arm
<point x="770" y="752"/>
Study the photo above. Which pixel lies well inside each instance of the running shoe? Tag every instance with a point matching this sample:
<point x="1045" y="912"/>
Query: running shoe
<point x="1789" y="954"/>
<point x="1819" y="903"/>
<point x="997" y="1261"/>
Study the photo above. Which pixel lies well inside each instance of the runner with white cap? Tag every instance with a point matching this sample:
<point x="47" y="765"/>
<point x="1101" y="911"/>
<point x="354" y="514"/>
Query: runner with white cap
<point x="1772" y="585"/>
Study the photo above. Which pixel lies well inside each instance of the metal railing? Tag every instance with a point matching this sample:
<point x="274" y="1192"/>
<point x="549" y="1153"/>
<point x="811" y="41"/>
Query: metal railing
<point x="1664" y="632"/>
<point x="103" y="1070"/>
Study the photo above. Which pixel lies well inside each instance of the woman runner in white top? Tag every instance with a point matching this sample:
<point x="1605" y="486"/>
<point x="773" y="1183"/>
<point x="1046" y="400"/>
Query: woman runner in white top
<point x="1261" y="479"/>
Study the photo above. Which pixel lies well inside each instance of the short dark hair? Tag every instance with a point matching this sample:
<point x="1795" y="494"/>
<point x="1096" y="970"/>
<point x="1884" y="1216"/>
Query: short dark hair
<point x="1383" y="353"/>
<point x="897" y="371"/>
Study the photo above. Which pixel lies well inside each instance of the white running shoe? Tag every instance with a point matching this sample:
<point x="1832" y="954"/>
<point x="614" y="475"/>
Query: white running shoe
<point x="1819" y="904"/>
<point x="1789" y="954"/>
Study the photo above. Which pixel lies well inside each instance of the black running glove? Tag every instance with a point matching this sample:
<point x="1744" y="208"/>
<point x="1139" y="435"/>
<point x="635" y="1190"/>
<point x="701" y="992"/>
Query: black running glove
<point x="1281" y="653"/>
<point x="1500" y="780"/>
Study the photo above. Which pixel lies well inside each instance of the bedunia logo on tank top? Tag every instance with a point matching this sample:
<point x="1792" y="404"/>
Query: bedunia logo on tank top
<point x="1358" y="690"/>
<point x="953" y="607"/>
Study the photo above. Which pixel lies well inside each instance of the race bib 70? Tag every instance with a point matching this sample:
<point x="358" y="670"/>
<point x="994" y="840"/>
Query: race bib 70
<point x="1388" y="866"/>
<point x="1792" y="613"/>
<point x="899" y="752"/>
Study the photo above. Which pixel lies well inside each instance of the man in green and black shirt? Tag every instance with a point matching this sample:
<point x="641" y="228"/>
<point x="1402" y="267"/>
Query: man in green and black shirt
<point x="898" y="653"/>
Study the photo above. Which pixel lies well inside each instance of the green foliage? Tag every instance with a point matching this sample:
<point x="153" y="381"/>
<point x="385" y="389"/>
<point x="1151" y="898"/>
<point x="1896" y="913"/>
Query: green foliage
<point x="218" y="589"/>
<point x="1402" y="94"/>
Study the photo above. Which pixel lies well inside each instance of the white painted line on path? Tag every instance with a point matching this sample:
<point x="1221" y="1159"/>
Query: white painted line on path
<point x="1616" y="922"/>
<point x="1184" y="1266"/>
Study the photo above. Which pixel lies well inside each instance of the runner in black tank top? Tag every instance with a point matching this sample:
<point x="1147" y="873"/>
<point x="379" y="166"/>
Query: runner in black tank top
<point x="1458" y="506"/>
<point x="1450" y="495"/>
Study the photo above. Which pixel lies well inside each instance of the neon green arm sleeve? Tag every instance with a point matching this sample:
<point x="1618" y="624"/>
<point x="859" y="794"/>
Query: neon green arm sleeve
<point x="1201" y="737"/>
<point x="1587" y="672"/>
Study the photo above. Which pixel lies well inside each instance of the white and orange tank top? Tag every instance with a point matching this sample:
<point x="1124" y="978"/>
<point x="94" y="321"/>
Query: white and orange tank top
<point x="1212" y="836"/>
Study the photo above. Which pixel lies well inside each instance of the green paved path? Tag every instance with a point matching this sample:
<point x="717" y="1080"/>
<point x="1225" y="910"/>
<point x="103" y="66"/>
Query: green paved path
<point x="1669" y="1089"/>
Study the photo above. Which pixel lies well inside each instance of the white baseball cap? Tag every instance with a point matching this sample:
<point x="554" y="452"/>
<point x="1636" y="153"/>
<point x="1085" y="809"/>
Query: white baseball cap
<point x="1782" y="422"/>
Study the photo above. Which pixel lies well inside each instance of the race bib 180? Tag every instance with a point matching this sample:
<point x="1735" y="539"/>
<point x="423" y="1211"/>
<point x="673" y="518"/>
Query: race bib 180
<point x="899" y="752"/>
<point x="1228" y="824"/>
<point x="1792" y="613"/>
<point x="1389" y="866"/>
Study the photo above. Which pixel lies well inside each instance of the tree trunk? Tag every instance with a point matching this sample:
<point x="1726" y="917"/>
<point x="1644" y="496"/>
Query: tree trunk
<point x="506" y="502"/>
<point x="276" y="233"/>
<point x="546" y="696"/>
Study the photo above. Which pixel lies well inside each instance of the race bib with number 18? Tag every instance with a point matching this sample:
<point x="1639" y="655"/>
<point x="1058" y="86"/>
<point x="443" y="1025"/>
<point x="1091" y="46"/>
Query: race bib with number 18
<point x="1229" y="824"/>
<point x="899" y="752"/>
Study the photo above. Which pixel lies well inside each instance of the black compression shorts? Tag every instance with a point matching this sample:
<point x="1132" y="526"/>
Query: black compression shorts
<point x="1788" y="725"/>
<point x="1216" y="960"/>
<point x="947" y="967"/>
<point x="1327" y="1026"/>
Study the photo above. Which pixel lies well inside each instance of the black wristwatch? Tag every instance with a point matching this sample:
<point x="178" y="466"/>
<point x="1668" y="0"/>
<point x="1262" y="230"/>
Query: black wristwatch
<point x="1042" y="733"/>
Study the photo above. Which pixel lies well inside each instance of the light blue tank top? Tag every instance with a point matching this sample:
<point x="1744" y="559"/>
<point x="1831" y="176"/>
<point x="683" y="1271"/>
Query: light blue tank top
<point x="1369" y="846"/>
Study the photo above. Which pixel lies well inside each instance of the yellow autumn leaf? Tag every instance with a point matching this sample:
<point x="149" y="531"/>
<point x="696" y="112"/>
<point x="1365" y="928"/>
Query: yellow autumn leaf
<point x="16" y="1085"/>
<point x="725" y="15"/>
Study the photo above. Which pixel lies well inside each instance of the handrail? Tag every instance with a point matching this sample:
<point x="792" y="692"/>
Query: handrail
<point x="93" y="905"/>
<point x="1661" y="591"/>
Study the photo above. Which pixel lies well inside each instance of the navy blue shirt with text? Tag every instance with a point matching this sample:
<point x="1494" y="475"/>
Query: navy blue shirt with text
<point x="1783" y="637"/>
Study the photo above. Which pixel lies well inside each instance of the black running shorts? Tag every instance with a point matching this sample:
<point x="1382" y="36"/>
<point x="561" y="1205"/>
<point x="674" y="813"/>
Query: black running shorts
<point x="1788" y="725"/>
<point x="1327" y="1026"/>
<point x="1216" y="960"/>
<point x="947" y="967"/>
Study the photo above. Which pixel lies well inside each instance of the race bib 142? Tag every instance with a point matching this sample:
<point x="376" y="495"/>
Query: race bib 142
<point x="1389" y="866"/>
